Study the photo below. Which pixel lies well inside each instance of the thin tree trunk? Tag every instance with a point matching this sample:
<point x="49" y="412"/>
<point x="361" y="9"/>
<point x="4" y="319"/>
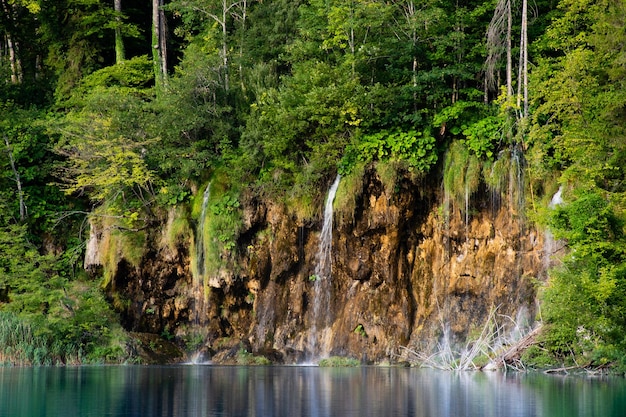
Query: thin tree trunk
<point x="222" y="20"/>
<point x="159" y="50"/>
<point x="8" y="9"/>
<point x="525" y="58"/>
<point x="16" y="67"/>
<point x="244" y="15"/>
<point x="163" y="39"/>
<point x="119" y="41"/>
<point x="498" y="41"/>
<point x="18" y="180"/>
<point x="225" y="10"/>
<point x="509" y="56"/>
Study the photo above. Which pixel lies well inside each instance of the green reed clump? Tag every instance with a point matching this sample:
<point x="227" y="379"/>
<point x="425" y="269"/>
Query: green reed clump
<point x="19" y="342"/>
<point x="339" y="362"/>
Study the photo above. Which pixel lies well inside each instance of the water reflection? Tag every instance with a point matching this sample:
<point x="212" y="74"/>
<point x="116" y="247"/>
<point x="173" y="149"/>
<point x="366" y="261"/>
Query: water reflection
<point x="300" y="391"/>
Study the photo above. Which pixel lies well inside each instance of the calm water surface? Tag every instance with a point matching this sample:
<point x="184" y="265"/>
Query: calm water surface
<point x="301" y="391"/>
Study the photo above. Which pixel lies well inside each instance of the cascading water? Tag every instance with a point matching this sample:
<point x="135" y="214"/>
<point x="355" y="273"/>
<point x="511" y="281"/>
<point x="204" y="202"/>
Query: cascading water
<point x="322" y="278"/>
<point x="516" y="180"/>
<point x="550" y="246"/>
<point x="557" y="198"/>
<point x="197" y="293"/>
<point x="200" y="267"/>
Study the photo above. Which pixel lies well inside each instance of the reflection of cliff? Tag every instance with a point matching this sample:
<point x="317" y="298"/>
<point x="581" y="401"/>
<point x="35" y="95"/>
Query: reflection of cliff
<point x="403" y="269"/>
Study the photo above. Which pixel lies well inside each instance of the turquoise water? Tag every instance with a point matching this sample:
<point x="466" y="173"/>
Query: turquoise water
<point x="301" y="391"/>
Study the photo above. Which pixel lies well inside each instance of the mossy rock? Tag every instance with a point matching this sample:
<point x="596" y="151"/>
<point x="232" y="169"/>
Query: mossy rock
<point x="149" y="348"/>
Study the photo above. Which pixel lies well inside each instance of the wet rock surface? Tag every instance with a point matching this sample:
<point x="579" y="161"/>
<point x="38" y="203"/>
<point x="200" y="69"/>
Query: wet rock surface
<point x="405" y="272"/>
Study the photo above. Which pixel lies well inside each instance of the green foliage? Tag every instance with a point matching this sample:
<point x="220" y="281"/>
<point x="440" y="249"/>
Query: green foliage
<point x="578" y="129"/>
<point x="480" y="128"/>
<point x="462" y="173"/>
<point x="481" y="136"/>
<point x="339" y="362"/>
<point x="417" y="149"/>
<point x="226" y="210"/>
<point x="45" y="317"/>
<point x="132" y="77"/>
<point x="178" y="229"/>
<point x="221" y="226"/>
<point x="247" y="358"/>
<point x="360" y="330"/>
<point x="349" y="192"/>
<point x="585" y="299"/>
<point x="34" y="159"/>
<point x="104" y="139"/>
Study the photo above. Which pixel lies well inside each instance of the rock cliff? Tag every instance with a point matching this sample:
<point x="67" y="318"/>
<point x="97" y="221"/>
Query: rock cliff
<point x="408" y="270"/>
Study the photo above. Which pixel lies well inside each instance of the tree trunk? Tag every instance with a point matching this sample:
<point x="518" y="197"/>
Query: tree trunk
<point x="243" y="17"/>
<point x="525" y="57"/>
<point x="509" y="56"/>
<point x="498" y="41"/>
<point x="225" y="10"/>
<point x="119" y="41"/>
<point x="159" y="50"/>
<point x="18" y="180"/>
<point x="12" y="46"/>
<point x="16" y="66"/>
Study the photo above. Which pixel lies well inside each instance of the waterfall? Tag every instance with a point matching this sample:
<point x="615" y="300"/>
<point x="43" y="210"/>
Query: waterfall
<point x="198" y="306"/>
<point x="323" y="271"/>
<point x="550" y="246"/>
<point x="323" y="267"/>
<point x="200" y="266"/>
<point x="557" y="198"/>
<point x="516" y="180"/>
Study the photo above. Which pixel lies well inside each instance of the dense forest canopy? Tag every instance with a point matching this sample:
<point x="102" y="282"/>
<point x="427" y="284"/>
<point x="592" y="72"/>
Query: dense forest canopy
<point x="124" y="108"/>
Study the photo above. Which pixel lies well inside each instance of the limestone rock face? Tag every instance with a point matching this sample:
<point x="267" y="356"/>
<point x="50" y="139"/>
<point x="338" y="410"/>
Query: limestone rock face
<point x="405" y="272"/>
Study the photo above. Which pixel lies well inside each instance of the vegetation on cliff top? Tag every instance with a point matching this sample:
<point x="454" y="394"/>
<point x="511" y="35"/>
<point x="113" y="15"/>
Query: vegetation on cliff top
<point x="97" y="116"/>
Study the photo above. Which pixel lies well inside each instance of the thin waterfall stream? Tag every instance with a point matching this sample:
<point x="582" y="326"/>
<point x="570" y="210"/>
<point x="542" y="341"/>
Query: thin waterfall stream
<point x="198" y="307"/>
<point x="200" y="257"/>
<point x="322" y="279"/>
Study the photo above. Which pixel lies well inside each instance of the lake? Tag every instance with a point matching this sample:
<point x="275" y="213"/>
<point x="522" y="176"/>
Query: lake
<point x="306" y="391"/>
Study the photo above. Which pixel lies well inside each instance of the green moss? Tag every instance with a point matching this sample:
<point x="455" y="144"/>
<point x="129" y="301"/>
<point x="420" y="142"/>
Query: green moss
<point x="388" y="172"/>
<point x="303" y="205"/>
<point x="247" y="358"/>
<point x="221" y="225"/>
<point x="462" y="175"/>
<point x="178" y="228"/>
<point x="339" y="362"/>
<point x="349" y="191"/>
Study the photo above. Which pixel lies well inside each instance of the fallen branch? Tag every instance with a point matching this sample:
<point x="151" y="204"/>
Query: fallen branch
<point x="512" y="355"/>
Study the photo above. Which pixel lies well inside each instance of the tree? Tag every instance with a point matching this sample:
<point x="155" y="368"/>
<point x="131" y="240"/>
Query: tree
<point x="222" y="13"/>
<point x="579" y="90"/>
<point x="499" y="36"/>
<point x="105" y="138"/>
<point x="416" y="24"/>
